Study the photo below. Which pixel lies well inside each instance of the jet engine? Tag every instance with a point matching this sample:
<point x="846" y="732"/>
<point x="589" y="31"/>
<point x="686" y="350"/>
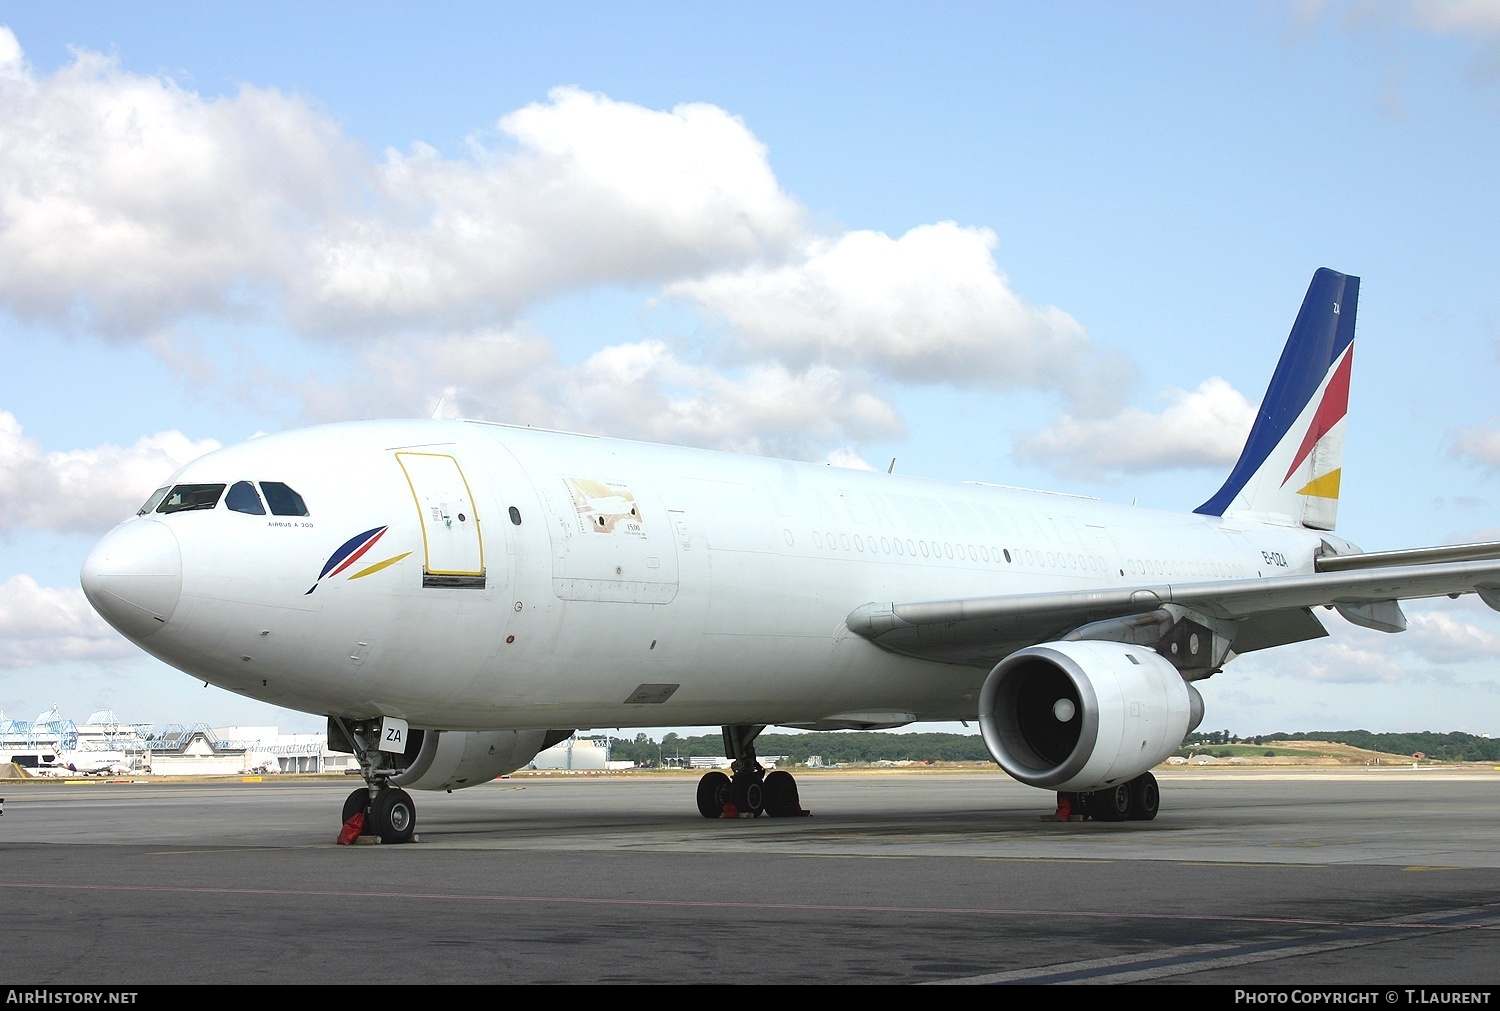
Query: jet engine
<point x="1081" y="715"/>
<point x="451" y="760"/>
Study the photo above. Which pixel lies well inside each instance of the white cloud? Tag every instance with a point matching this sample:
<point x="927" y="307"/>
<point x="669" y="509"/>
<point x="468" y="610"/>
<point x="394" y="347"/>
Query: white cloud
<point x="83" y="490"/>
<point x="1440" y="637"/>
<point x="1204" y="428"/>
<point x="848" y="458"/>
<point x="584" y="189"/>
<point x="1478" y="445"/>
<point x="40" y="625"/>
<point x="641" y="390"/>
<point x="1340" y="662"/>
<point x="128" y="201"/>
<point x="635" y="390"/>
<point x="1467" y="17"/>
<point x="929" y="306"/>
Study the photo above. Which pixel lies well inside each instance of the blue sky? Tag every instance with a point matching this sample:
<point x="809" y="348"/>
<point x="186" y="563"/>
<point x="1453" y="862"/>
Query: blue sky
<point x="1045" y="245"/>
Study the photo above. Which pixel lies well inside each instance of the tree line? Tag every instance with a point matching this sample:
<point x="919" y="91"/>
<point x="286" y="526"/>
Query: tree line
<point x="849" y="747"/>
<point x="842" y="747"/>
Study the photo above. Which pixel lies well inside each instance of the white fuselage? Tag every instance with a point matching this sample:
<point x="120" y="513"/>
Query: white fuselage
<point x="634" y="568"/>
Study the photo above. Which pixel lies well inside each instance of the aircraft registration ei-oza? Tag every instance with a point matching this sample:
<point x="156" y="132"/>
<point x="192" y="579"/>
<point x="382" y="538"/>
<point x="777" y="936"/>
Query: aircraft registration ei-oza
<point x="456" y="596"/>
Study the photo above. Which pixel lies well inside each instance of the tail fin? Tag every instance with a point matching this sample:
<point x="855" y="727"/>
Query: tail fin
<point x="1289" y="470"/>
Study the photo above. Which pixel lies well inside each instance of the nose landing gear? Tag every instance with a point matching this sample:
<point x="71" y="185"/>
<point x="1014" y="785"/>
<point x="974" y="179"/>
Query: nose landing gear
<point x="387" y="813"/>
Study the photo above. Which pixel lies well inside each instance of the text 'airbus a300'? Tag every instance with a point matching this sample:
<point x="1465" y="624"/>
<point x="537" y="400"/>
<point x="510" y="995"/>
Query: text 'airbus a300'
<point x="456" y="596"/>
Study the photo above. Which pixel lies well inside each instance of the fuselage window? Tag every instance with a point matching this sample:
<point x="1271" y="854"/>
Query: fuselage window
<point x="242" y="499"/>
<point x="885" y="545"/>
<point x="187" y="497"/>
<point x="844" y="540"/>
<point x="153" y="501"/>
<point x="924" y="548"/>
<point x="817" y="539"/>
<point x="859" y="544"/>
<point x="515" y="515"/>
<point x="282" y="500"/>
<point x="897" y="543"/>
<point x="1007" y="555"/>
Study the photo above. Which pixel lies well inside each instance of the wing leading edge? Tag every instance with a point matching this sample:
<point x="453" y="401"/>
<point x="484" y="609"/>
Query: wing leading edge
<point x="1250" y="613"/>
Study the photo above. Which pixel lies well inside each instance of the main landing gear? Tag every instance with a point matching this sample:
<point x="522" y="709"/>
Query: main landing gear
<point x="1137" y="800"/>
<point x="387" y="813"/>
<point x="751" y="790"/>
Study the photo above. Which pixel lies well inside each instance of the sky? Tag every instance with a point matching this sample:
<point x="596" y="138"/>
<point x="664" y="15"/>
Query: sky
<point x="1054" y="246"/>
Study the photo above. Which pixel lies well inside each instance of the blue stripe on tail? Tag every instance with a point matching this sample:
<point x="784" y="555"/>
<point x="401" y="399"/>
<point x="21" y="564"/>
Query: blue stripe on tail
<point x="1324" y="328"/>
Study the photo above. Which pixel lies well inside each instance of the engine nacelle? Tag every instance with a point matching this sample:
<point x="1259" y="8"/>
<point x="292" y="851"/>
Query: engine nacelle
<point x="1086" y="714"/>
<point x="452" y="760"/>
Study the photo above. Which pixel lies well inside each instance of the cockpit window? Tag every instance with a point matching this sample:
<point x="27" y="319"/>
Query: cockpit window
<point x="154" y="500"/>
<point x="187" y="497"/>
<point x="282" y="500"/>
<point x="242" y="499"/>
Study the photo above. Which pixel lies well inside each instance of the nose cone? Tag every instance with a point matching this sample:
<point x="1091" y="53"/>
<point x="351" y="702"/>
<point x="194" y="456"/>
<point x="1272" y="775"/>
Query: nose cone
<point x="133" y="577"/>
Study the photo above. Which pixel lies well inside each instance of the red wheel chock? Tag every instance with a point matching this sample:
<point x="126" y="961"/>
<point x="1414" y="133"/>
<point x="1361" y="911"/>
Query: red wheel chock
<point x="352" y="829"/>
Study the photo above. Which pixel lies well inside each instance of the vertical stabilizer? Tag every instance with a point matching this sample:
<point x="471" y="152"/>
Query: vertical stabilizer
<point x="1290" y="467"/>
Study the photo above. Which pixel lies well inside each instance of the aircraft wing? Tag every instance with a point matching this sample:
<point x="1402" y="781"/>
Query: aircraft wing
<point x="1267" y="611"/>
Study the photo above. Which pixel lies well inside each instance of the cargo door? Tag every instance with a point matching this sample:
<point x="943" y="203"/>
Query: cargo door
<point x="454" y="551"/>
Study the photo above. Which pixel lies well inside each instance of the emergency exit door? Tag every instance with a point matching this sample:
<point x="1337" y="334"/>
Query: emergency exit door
<point x="454" y="550"/>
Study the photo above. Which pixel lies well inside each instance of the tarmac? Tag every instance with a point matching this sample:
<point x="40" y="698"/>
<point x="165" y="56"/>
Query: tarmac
<point x="1249" y="876"/>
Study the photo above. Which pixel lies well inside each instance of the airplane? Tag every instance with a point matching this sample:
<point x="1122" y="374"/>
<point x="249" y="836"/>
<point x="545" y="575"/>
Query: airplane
<point x="446" y="594"/>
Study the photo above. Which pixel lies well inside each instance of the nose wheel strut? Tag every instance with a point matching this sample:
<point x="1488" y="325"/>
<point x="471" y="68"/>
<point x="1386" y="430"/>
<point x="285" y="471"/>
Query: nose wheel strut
<point x="386" y="813"/>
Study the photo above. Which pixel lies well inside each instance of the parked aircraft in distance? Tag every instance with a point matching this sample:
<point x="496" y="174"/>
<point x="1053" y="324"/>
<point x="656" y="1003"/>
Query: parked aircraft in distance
<point x="456" y="596"/>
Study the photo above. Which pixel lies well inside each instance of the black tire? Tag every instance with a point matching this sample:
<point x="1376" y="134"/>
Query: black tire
<point x="1145" y="797"/>
<point x="393" y="816"/>
<point x="1111" y="803"/>
<point x="748" y="794"/>
<point x="358" y="803"/>
<point x="780" y="791"/>
<point x="713" y="793"/>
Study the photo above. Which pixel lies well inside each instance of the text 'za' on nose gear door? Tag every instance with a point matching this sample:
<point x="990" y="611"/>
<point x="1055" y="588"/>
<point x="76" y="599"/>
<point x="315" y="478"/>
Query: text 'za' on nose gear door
<point x="454" y="551"/>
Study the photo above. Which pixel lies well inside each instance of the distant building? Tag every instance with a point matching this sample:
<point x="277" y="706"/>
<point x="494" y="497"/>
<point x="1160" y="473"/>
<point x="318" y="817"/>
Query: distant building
<point x="576" y="754"/>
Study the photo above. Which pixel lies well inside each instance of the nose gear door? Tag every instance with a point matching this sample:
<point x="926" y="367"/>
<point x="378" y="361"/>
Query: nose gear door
<point x="454" y="550"/>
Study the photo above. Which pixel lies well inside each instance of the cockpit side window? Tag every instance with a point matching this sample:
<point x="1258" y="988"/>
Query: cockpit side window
<point x="187" y="497"/>
<point x="242" y="499"/>
<point x="282" y="499"/>
<point x="154" y="500"/>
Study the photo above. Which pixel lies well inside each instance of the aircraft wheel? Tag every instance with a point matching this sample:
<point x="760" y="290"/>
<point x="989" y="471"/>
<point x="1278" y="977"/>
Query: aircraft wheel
<point x="358" y="803"/>
<point x="1111" y="803"/>
<point x="393" y="816"/>
<point x="780" y="791"/>
<point x="748" y="794"/>
<point x="1145" y="797"/>
<point x="713" y="793"/>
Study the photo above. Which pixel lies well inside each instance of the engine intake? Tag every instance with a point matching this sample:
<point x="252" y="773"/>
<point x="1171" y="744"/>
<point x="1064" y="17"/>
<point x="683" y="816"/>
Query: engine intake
<point x="1086" y="714"/>
<point x="452" y="760"/>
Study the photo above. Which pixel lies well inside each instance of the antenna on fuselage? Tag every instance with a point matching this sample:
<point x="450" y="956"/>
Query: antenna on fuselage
<point x="437" y="412"/>
<point x="892" y="468"/>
